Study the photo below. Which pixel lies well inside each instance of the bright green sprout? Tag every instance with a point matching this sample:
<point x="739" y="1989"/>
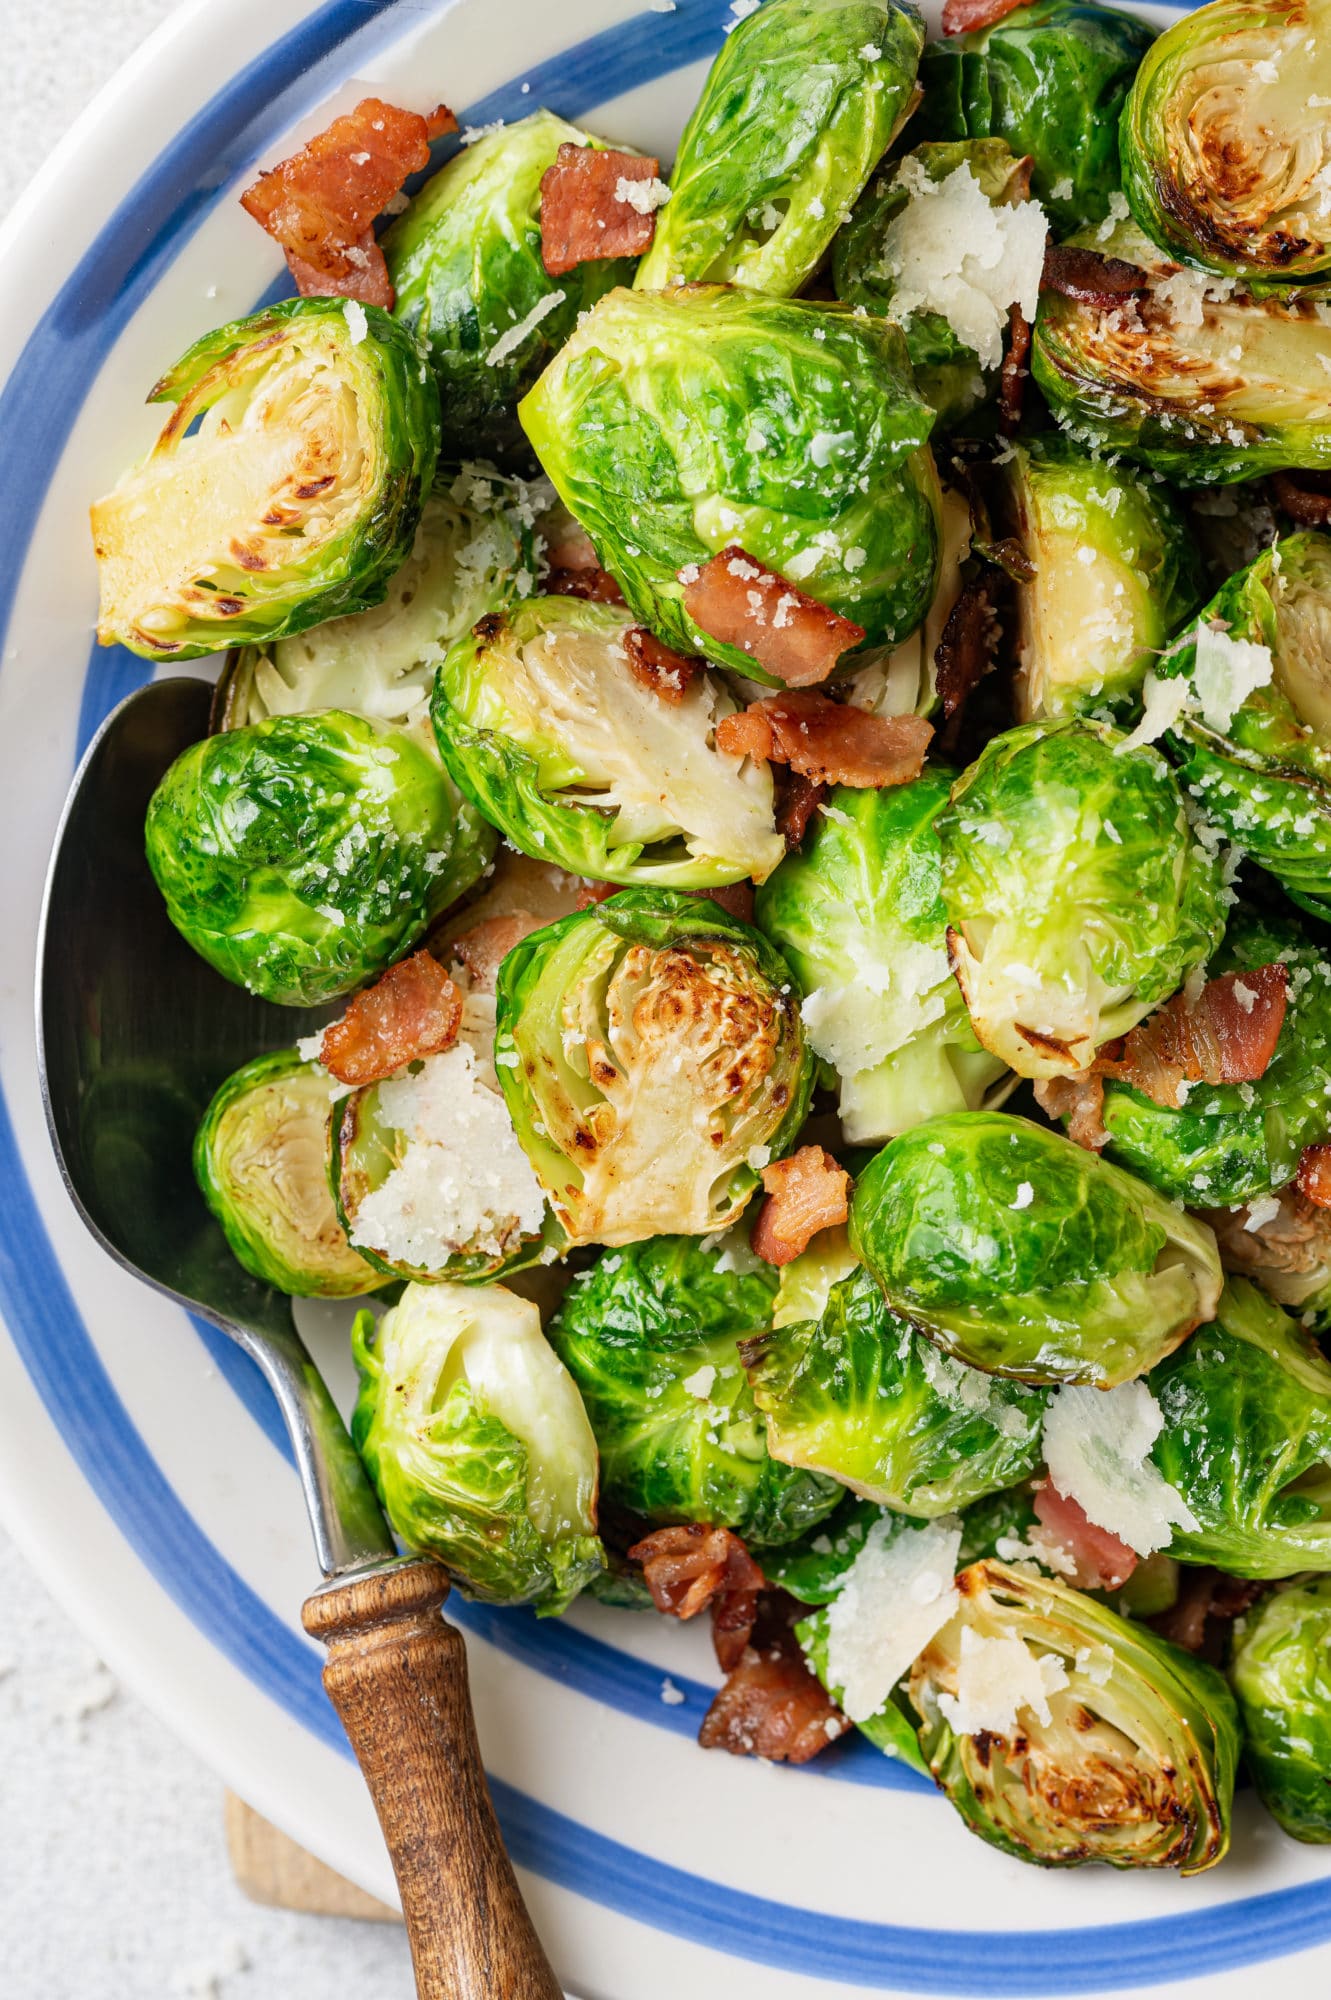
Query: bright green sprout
<point x="805" y="1283"/>
<point x="1281" y="1673"/>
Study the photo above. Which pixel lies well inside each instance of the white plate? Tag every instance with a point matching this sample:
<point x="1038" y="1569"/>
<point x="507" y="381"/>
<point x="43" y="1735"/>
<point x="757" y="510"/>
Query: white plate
<point x="140" y="1460"/>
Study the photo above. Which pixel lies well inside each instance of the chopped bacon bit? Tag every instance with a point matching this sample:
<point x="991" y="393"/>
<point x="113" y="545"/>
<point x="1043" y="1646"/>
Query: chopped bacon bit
<point x="797" y="800"/>
<point x="1012" y="375"/>
<point x="829" y="741"/>
<point x="1314" y="1176"/>
<point x="482" y="949"/>
<point x="320" y="204"/>
<point x="772" y="1705"/>
<point x="593" y="584"/>
<point x="582" y="215"/>
<point x="805" y="1193"/>
<point x="740" y="602"/>
<point x="965" y="652"/>
<point x="592" y="892"/>
<point x="734" y="1615"/>
<point x="414" y="1010"/>
<point x="960" y="16"/>
<point x="686" y="1567"/>
<point x="734" y="897"/>
<point x="1228" y="1035"/>
<point x="1305" y="497"/>
<point x="1079" y="1099"/>
<point x="1089" y="278"/>
<point x="1207" y="1599"/>
<point x="659" y="667"/>
<point x="1103" y="1561"/>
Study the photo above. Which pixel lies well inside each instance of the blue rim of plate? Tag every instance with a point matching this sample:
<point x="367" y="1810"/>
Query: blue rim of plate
<point x="38" y="407"/>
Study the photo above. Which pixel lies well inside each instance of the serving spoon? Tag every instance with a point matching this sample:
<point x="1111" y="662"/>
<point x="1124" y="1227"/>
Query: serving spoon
<point x="135" y="1032"/>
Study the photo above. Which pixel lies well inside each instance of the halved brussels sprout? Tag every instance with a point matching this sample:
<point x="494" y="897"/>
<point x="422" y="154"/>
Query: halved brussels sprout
<point x="857" y="911"/>
<point x="465" y="259"/>
<point x="652" y="1058"/>
<point x="1100" y="1742"/>
<point x="1116" y="571"/>
<point x="1049" y="79"/>
<point x="1224" y="145"/>
<point x="1247" y="1440"/>
<point x="1078" y="896"/>
<point x="260" y="1157"/>
<point x="860" y="1394"/>
<point x="903" y="679"/>
<point x="549" y="733"/>
<point x="303" y="854"/>
<point x="1195" y="378"/>
<point x="284" y="489"/>
<point x="1027" y="1256"/>
<point x="801" y="103"/>
<point x="677" y="424"/>
<point x="1281" y="1673"/>
<point x="478" y="1444"/>
<point x="649" y="1336"/>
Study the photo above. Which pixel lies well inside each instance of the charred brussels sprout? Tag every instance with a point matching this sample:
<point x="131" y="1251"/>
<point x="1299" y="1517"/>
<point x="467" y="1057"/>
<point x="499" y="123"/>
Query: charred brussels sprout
<point x="260" y="1158"/>
<point x="478" y="1444"/>
<point x="303" y="854"/>
<point x="650" y="1051"/>
<point x="549" y="733"/>
<point x="857" y="911"/>
<point x="799" y="107"/>
<point x="1050" y="80"/>
<point x="677" y="424"/>
<point x="1104" y="1744"/>
<point x="466" y="261"/>
<point x="1077" y="895"/>
<point x="649" y="1336"/>
<point x="862" y="1395"/>
<point x="1281" y="1673"/>
<point x="1223" y="143"/>
<point x="1027" y="1256"/>
<point x="284" y="489"/>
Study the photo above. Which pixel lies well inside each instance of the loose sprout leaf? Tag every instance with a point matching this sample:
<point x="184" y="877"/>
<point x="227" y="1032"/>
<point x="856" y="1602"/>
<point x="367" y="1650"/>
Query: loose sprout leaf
<point x="1281" y="1673"/>
<point x="1097" y="1445"/>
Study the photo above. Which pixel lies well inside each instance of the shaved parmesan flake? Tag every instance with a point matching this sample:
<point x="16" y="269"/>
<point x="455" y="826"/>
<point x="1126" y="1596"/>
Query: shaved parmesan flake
<point x="1228" y="670"/>
<point x="1163" y="702"/>
<point x="701" y="1382"/>
<point x="953" y="253"/>
<point x="1262" y="1209"/>
<point x="644" y="196"/>
<point x="508" y="343"/>
<point x="895" y="1598"/>
<point x="1097" y="1444"/>
<point x="996" y="1680"/>
<point x="357" y="324"/>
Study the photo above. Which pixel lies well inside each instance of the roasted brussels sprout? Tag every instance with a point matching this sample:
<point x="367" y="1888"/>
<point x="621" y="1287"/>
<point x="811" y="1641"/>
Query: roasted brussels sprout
<point x="1196" y="378"/>
<point x="260" y="1158"/>
<point x="1049" y="79"/>
<point x="857" y="911"/>
<point x="678" y="424"/>
<point x="903" y="679"/>
<point x="860" y="1394"/>
<point x="649" y="1336"/>
<point x="1224" y="144"/>
<point x="1115" y="573"/>
<point x="800" y="105"/>
<point x="1281" y="1673"/>
<point x="651" y="1054"/>
<point x="811" y="1568"/>
<point x="303" y="854"/>
<point x="1063" y="1733"/>
<point x="1247" y="1440"/>
<point x="284" y="489"/>
<point x="1027" y="1256"/>
<point x="1078" y="897"/>
<point x="478" y="1444"/>
<point x="465" y="259"/>
<point x="545" y="728"/>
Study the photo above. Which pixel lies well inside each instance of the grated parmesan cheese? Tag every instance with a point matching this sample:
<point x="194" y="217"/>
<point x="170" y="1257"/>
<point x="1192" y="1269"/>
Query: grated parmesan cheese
<point x="894" y="1598"/>
<point x="508" y="343"/>
<point x="1163" y="702"/>
<point x="996" y="1680"/>
<point x="701" y="1382"/>
<point x="1262" y="1209"/>
<point x="357" y="324"/>
<point x="953" y="253"/>
<point x="644" y="196"/>
<point x="1228" y="670"/>
<point x="1097" y="1446"/>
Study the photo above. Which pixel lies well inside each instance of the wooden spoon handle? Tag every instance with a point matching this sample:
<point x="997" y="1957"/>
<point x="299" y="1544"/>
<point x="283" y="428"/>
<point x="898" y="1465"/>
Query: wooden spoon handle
<point x="397" y="1676"/>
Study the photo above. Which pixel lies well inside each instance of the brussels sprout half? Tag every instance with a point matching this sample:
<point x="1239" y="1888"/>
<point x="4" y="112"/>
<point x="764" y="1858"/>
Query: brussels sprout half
<point x="677" y="424"/>
<point x="649" y="1335"/>
<point x="545" y="728"/>
<point x="1281" y="1673"/>
<point x="260" y="1157"/>
<point x="1049" y="79"/>
<point x="303" y="854"/>
<point x="652" y="1058"/>
<point x="1223" y="142"/>
<point x="284" y="489"/>
<point x="478" y="1444"/>
<point x="1026" y="1256"/>
<point x="465" y="259"/>
<point x="800" y="105"/>
<point x="1124" y="1750"/>
<point x="1078" y="896"/>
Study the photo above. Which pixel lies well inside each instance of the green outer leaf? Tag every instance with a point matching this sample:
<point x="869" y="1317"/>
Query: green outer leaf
<point x="893" y="1730"/>
<point x="795" y="111"/>
<point x="1281" y="1673"/>
<point x="811" y="1569"/>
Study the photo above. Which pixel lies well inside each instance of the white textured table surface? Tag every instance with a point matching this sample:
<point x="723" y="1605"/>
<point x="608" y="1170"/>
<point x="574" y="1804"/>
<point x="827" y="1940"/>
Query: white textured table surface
<point x="115" y="1883"/>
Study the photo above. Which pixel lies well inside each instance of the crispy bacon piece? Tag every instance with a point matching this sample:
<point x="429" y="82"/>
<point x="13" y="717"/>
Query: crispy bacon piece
<point x="482" y="948"/>
<point x="736" y="897"/>
<point x="734" y="1614"/>
<point x="583" y="217"/>
<point x="659" y="667"/>
<point x="1314" y="1176"/>
<point x="593" y="892"/>
<point x="832" y="742"/>
<point x="771" y="1704"/>
<point x="413" y="1010"/>
<point x="741" y="602"/>
<point x="1013" y="373"/>
<point x="1228" y="1035"/>
<point x="1208" y="1600"/>
<point x="805" y="1193"/>
<point x="320" y="204"/>
<point x="1088" y="277"/>
<point x="797" y="800"/>
<point x="960" y="16"/>
<point x="1103" y="1561"/>
<point x="965" y="651"/>
<point x="686" y="1567"/>
<point x="1304" y="496"/>
<point x="1079" y="1099"/>
<point x="589" y="582"/>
